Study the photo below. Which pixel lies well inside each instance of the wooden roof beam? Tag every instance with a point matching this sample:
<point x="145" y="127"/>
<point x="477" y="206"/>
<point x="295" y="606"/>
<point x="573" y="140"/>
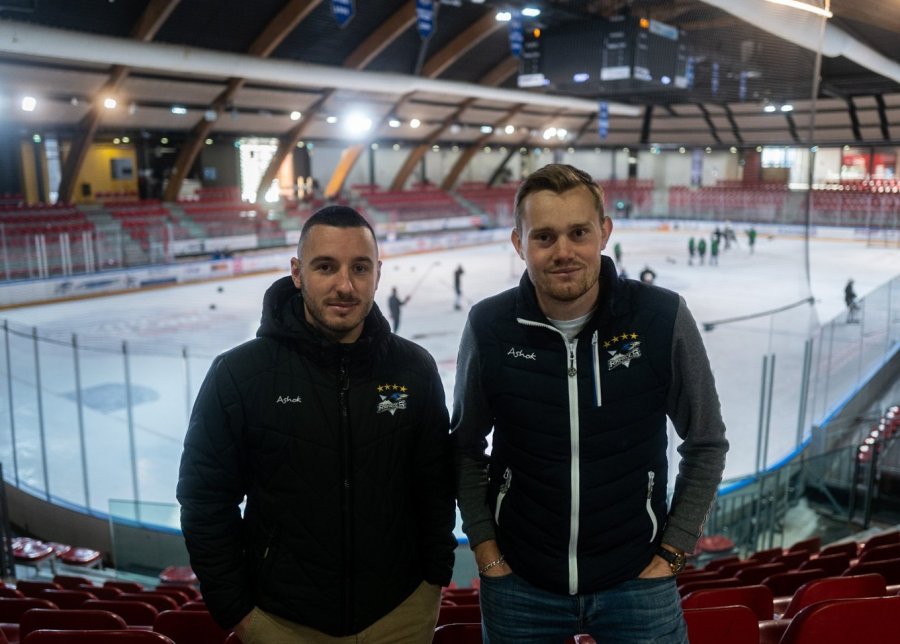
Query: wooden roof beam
<point x="459" y="46"/>
<point x="274" y="33"/>
<point x="146" y="28"/>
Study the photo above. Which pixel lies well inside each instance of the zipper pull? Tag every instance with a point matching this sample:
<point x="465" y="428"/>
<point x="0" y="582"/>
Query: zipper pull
<point x="507" y="481"/>
<point x="572" y="370"/>
<point x="650" y="476"/>
<point x="343" y="376"/>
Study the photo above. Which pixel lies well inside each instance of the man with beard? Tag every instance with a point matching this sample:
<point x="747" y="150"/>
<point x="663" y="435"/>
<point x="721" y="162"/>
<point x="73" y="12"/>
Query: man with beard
<point x="335" y="431"/>
<point x="575" y="371"/>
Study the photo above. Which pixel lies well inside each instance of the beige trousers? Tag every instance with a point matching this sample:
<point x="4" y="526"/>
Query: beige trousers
<point x="412" y="622"/>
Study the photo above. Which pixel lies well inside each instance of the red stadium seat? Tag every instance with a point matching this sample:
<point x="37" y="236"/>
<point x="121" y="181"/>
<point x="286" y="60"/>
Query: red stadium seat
<point x="835" y="588"/>
<point x="66" y="598"/>
<point x="721" y="624"/>
<point x="755" y="574"/>
<point x="101" y="592"/>
<point x="72" y="582"/>
<point x="874" y="620"/>
<point x="159" y="601"/>
<point x="757" y="598"/>
<point x="189" y="627"/>
<point x="832" y="565"/>
<point x="811" y="545"/>
<point x="726" y="582"/>
<point x="125" y="586"/>
<point x="31" y="588"/>
<point x="456" y="633"/>
<point x="887" y="568"/>
<point x="59" y="620"/>
<point x="178" y="575"/>
<point x="11" y="609"/>
<point x="97" y="637"/>
<point x="459" y="614"/>
<point x="134" y="613"/>
<point x="848" y="547"/>
<point x="786" y="583"/>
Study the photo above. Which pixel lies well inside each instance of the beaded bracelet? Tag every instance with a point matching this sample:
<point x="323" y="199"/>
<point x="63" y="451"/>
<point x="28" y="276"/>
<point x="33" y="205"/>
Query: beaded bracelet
<point x="488" y="566"/>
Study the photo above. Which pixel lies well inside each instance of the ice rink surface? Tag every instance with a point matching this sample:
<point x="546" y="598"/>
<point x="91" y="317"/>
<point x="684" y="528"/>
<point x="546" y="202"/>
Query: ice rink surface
<point x="210" y="317"/>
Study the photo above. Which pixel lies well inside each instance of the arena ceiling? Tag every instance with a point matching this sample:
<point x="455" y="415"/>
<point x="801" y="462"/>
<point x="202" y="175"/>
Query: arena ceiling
<point x="247" y="68"/>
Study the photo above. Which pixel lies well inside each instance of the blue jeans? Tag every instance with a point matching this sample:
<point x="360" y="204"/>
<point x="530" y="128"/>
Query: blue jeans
<point x="638" y="611"/>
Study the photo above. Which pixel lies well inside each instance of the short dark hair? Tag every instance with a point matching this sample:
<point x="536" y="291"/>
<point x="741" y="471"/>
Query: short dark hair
<point x="558" y="178"/>
<point x="337" y="216"/>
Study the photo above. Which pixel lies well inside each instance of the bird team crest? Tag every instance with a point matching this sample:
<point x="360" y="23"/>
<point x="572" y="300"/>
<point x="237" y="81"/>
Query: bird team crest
<point x="623" y="349"/>
<point x="393" y="398"/>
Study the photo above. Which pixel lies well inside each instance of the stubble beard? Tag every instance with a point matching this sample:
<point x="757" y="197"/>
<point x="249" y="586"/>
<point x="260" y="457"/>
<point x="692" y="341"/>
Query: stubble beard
<point x="333" y="327"/>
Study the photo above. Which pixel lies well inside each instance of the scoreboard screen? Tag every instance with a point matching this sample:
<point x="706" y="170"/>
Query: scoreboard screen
<point x="619" y="55"/>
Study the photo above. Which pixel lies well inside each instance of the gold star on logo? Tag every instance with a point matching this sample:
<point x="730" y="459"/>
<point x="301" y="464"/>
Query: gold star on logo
<point x="634" y="336"/>
<point x="395" y="387"/>
<point x="380" y="388"/>
<point x="606" y="344"/>
<point x="615" y="338"/>
<point x="403" y="388"/>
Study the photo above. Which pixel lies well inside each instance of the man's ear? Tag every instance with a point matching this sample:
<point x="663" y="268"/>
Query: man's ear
<point x="606" y="226"/>
<point x="516" y="242"/>
<point x="295" y="272"/>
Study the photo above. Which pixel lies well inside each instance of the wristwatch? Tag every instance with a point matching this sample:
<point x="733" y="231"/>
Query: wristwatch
<point x="676" y="559"/>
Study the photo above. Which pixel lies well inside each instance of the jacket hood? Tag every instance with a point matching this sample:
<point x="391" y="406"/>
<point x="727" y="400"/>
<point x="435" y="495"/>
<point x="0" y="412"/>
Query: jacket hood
<point x="283" y="318"/>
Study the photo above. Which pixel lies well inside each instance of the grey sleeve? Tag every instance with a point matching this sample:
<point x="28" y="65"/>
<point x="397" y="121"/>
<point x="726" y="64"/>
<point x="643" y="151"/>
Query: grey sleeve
<point x="470" y="424"/>
<point x="693" y="406"/>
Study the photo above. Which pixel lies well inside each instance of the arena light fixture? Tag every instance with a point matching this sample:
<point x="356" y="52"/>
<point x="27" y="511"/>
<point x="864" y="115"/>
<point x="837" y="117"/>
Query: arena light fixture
<point x="179" y="109"/>
<point x="295" y="115"/>
<point x="394" y="123"/>
<point x="824" y="12"/>
<point x="769" y="108"/>
<point x="531" y="12"/>
<point x="357" y="123"/>
<point x="787" y="108"/>
<point x="415" y="123"/>
<point x="110" y="103"/>
<point x="29" y="103"/>
<point x="503" y="16"/>
<point x="510" y="129"/>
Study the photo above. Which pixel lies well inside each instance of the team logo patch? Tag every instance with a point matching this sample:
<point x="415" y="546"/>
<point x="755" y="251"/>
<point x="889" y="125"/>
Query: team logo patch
<point x="623" y="349"/>
<point x="393" y="398"/>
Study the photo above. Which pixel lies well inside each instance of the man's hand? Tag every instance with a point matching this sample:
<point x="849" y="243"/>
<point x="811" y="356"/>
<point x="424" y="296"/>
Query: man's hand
<point x="242" y="626"/>
<point x="485" y="553"/>
<point x="658" y="567"/>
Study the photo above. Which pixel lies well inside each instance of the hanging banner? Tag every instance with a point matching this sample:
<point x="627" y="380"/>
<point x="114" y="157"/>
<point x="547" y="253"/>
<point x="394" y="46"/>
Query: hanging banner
<point x="425" y="18"/>
<point x="343" y="11"/>
<point x="714" y="78"/>
<point x="603" y="119"/>
<point x="689" y="72"/>
<point x="516" y="33"/>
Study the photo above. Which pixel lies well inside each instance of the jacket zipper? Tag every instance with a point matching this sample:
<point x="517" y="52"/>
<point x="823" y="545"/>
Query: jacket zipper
<point x="504" y="488"/>
<point x="598" y="397"/>
<point x="650" y="476"/>
<point x="575" y="468"/>
<point x="346" y="534"/>
<point x="574" y="451"/>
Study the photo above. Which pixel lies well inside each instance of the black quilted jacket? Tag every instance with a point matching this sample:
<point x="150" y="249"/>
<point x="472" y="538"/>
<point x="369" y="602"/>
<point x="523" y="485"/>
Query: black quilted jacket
<point x="342" y="454"/>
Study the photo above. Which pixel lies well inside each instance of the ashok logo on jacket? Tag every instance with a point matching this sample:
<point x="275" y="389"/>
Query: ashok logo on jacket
<point x="393" y="397"/>
<point x="283" y="400"/>
<point x="629" y="349"/>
